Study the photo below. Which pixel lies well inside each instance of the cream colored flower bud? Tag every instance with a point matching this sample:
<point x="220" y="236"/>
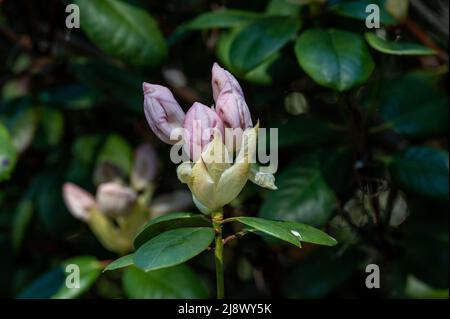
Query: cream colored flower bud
<point x="115" y="199"/>
<point x="214" y="180"/>
<point x="260" y="178"/>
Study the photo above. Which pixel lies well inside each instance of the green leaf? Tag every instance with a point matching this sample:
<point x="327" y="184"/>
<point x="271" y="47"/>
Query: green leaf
<point x="414" y="106"/>
<point x="283" y="7"/>
<point x="50" y="129"/>
<point x="260" y="39"/>
<point x="396" y="48"/>
<point x="277" y="68"/>
<point x="124" y="31"/>
<point x="23" y="127"/>
<point x="417" y="289"/>
<point x="22" y="219"/>
<point x="8" y="154"/>
<point x="357" y="10"/>
<point x="423" y="170"/>
<point x="227" y="18"/>
<point x="117" y="151"/>
<point x="178" y="282"/>
<point x="121" y="262"/>
<point x="53" y="283"/>
<point x="294" y="233"/>
<point x="167" y="222"/>
<point x="335" y="59"/>
<point x="173" y="247"/>
<point x="305" y="188"/>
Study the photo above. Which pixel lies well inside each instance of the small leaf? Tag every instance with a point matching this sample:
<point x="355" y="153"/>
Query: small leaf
<point x="396" y="48"/>
<point x="335" y="59"/>
<point x="167" y="222"/>
<point x="260" y="39"/>
<point x="173" y="247"/>
<point x="423" y="170"/>
<point x="123" y="30"/>
<point x="277" y="68"/>
<point x="122" y="262"/>
<point x="222" y="19"/>
<point x="53" y="283"/>
<point x="8" y="154"/>
<point x="90" y="270"/>
<point x="292" y="232"/>
<point x="356" y="9"/>
<point x="178" y="282"/>
<point x="23" y="127"/>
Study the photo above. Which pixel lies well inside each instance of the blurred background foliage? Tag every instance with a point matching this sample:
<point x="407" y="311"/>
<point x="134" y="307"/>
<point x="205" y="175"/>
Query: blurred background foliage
<point x="363" y="135"/>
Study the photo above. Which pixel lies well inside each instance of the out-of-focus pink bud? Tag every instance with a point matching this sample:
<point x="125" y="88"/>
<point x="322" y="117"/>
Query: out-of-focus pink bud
<point x="114" y="199"/>
<point x="78" y="201"/>
<point x="162" y="111"/>
<point x="199" y="126"/>
<point x="144" y="168"/>
<point x="229" y="98"/>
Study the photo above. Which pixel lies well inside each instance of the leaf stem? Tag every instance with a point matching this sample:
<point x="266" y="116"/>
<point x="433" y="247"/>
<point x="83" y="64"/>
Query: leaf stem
<point x="217" y="218"/>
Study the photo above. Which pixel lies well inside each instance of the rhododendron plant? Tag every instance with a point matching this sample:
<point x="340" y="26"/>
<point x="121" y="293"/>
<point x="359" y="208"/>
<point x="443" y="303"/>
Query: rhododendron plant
<point x="216" y="169"/>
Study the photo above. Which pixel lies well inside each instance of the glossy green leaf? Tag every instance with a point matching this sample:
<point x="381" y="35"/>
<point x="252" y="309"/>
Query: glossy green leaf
<point x="423" y="170"/>
<point x="8" y="154"/>
<point x="292" y="232"/>
<point x="167" y="222"/>
<point x="397" y="48"/>
<point x="123" y="30"/>
<point x="173" y="247"/>
<point x="121" y="262"/>
<point x="356" y="9"/>
<point x="178" y="282"/>
<point x="336" y="59"/>
<point x="277" y="68"/>
<point x="222" y="19"/>
<point x="283" y="7"/>
<point x="53" y="283"/>
<point x="260" y="39"/>
<point x="414" y="106"/>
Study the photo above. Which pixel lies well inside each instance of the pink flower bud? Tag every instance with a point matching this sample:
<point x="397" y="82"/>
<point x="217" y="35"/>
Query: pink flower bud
<point x="78" y="201"/>
<point x="229" y="98"/>
<point x="144" y="168"/>
<point x="199" y="126"/>
<point x="114" y="199"/>
<point x="162" y="111"/>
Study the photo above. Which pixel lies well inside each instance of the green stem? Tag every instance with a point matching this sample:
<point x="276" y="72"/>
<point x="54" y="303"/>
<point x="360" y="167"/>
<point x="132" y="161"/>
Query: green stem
<point x="218" y="253"/>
